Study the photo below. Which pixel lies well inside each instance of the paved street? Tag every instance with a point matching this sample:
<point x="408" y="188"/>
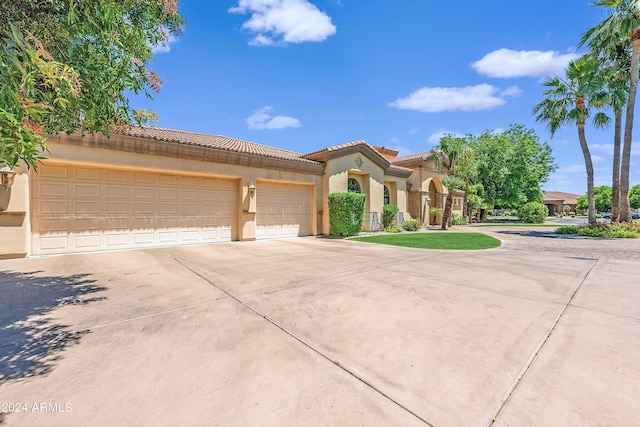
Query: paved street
<point x="316" y="331"/>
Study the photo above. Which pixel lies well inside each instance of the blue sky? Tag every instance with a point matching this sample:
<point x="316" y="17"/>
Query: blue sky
<point x="307" y="74"/>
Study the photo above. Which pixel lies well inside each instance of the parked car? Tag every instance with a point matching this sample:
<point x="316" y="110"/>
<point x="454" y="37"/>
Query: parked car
<point x="607" y="215"/>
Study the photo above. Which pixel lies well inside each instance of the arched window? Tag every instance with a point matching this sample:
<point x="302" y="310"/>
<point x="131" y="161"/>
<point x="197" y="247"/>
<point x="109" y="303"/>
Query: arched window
<point x="387" y="196"/>
<point x="354" y="186"/>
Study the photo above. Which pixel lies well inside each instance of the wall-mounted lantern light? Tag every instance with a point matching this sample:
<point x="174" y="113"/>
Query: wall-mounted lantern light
<point x="6" y="176"/>
<point x="252" y="190"/>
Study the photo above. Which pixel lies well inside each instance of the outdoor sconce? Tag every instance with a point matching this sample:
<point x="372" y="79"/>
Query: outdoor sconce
<point x="7" y="176"/>
<point x="252" y="190"/>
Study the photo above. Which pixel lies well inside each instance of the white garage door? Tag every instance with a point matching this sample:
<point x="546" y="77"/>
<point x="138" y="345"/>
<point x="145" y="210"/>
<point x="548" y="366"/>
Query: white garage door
<point x="77" y="209"/>
<point x="283" y="210"/>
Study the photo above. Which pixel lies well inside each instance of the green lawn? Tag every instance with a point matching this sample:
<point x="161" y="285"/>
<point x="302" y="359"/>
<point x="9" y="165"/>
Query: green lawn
<point x="435" y="240"/>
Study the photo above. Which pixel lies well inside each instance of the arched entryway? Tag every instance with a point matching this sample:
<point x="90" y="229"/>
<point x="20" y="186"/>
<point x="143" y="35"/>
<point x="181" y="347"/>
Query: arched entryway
<point x="435" y="194"/>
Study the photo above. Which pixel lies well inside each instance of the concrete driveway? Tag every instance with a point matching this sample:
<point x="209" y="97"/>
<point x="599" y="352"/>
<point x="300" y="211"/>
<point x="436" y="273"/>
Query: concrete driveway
<point x="316" y="331"/>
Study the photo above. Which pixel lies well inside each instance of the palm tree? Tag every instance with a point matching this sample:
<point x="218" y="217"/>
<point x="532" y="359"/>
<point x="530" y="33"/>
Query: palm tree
<point x="621" y="26"/>
<point x="568" y="101"/>
<point x="455" y="157"/>
<point x="616" y="97"/>
<point x="452" y="183"/>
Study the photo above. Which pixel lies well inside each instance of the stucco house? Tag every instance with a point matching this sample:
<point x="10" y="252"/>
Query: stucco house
<point x="557" y="200"/>
<point x="161" y="187"/>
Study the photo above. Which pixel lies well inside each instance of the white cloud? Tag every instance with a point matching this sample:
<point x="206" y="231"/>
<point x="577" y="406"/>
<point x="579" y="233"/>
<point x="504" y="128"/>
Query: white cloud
<point x="436" y="99"/>
<point x="262" y="119"/>
<point x="402" y="151"/>
<point x="413" y="131"/>
<point x="512" y="91"/>
<point x="558" y="181"/>
<point x="284" y="21"/>
<point x="165" y="46"/>
<point x="435" y="137"/>
<point x="602" y="148"/>
<point x="572" y="169"/>
<point x="395" y="140"/>
<point x="523" y="63"/>
<point x="563" y="142"/>
<point x="596" y="159"/>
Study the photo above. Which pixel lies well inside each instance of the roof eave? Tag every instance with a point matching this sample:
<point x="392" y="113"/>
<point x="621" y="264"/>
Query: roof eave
<point x="158" y="147"/>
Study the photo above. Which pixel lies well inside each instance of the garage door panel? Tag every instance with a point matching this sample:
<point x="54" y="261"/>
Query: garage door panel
<point x="87" y="174"/>
<point x="52" y="171"/>
<point x="117" y="176"/>
<point x="87" y="224"/>
<point x="87" y="241"/>
<point x="78" y="208"/>
<point x="283" y="210"/>
<point x="117" y="241"/>
<point x="84" y="191"/>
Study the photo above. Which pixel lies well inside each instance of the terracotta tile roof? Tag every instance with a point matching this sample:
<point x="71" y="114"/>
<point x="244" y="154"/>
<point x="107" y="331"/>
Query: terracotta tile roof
<point x="568" y="198"/>
<point x="412" y="158"/>
<point x="331" y="152"/>
<point x="218" y="142"/>
<point x="340" y="147"/>
<point x="396" y="170"/>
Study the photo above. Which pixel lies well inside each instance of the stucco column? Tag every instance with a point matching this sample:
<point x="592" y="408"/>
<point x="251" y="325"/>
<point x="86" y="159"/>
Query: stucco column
<point x="247" y="220"/>
<point x="15" y="226"/>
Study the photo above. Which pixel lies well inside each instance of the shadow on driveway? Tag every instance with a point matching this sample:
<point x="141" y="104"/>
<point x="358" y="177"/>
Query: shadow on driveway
<point x="544" y="234"/>
<point x="30" y="341"/>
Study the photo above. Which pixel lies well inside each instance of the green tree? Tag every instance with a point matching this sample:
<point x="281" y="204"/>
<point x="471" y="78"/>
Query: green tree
<point x="511" y="166"/>
<point x="569" y="100"/>
<point x="621" y="26"/>
<point x="455" y="156"/>
<point x="533" y="212"/>
<point x="602" y="199"/>
<point x="68" y="65"/>
<point x="634" y="196"/>
<point x="475" y="199"/>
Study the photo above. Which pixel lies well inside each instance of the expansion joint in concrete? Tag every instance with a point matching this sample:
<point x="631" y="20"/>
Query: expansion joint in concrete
<point x="304" y="343"/>
<point x="510" y="392"/>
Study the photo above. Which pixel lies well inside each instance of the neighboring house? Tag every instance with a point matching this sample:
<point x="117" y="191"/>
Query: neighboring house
<point x="556" y="200"/>
<point x="161" y="187"/>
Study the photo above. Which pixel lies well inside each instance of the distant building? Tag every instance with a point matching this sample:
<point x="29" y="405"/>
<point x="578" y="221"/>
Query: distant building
<point x="556" y="200"/>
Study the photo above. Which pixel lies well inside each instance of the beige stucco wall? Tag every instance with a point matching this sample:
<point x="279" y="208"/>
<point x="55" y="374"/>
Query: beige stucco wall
<point x="369" y="175"/>
<point x="398" y="191"/>
<point x="14" y="221"/>
<point x="15" y="226"/>
<point x="420" y="197"/>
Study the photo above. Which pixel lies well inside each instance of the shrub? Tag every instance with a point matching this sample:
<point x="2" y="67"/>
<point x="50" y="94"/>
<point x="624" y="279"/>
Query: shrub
<point x="590" y="231"/>
<point x="389" y="212"/>
<point x="567" y="229"/>
<point x="457" y="220"/>
<point x="621" y="234"/>
<point x="620" y="230"/>
<point x="346" y="213"/>
<point x="534" y="212"/>
<point x="393" y="229"/>
<point x="412" y="225"/>
<point x="572" y="214"/>
<point x="598" y="215"/>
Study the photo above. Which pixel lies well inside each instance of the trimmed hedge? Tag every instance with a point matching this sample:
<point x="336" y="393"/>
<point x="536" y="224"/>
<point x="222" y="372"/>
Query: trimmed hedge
<point x="346" y="213"/>
<point x="389" y="213"/>
<point x="533" y="212"/>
